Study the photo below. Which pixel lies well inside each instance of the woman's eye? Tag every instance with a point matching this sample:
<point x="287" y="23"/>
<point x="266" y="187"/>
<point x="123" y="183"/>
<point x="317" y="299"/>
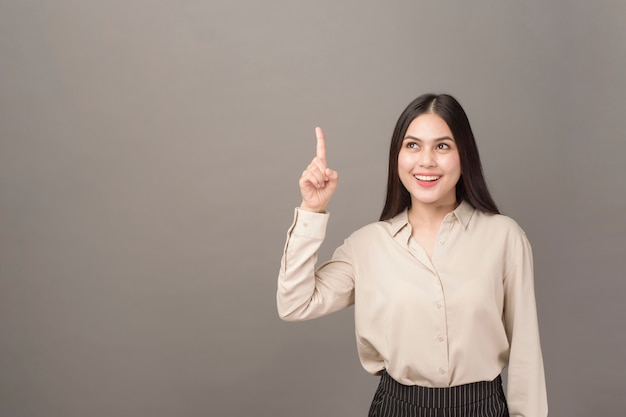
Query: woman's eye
<point x="412" y="145"/>
<point x="443" y="146"/>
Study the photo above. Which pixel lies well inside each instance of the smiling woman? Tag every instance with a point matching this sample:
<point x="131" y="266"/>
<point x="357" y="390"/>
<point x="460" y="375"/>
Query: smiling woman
<point x="442" y="284"/>
<point x="471" y="187"/>
<point x="429" y="166"/>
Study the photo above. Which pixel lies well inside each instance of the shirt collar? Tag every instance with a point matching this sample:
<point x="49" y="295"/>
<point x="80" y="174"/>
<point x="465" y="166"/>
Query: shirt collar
<point x="463" y="214"/>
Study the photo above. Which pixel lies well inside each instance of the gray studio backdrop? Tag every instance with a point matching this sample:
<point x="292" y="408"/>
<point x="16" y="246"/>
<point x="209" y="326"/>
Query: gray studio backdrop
<point x="149" y="159"/>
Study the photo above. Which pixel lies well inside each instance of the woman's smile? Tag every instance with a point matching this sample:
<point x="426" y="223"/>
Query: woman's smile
<point x="429" y="165"/>
<point x="427" y="180"/>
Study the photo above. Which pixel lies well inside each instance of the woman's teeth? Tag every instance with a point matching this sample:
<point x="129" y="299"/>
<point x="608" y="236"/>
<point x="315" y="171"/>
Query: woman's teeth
<point x="427" y="177"/>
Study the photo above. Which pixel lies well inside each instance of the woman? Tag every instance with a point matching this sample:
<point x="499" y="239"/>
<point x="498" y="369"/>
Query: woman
<point x="442" y="285"/>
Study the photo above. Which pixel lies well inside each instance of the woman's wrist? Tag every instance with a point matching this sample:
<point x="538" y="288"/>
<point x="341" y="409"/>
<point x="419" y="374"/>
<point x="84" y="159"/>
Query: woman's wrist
<point x="304" y="207"/>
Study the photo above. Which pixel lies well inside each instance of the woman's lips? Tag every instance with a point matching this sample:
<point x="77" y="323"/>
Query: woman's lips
<point x="427" y="180"/>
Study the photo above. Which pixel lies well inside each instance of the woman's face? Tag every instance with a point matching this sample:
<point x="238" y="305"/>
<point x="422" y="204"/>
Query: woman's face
<point x="429" y="165"/>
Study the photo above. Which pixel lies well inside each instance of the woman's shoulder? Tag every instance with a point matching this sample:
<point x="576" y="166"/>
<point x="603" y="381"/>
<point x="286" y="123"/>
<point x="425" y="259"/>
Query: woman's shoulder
<point x="380" y="228"/>
<point x="499" y="222"/>
<point x="373" y="228"/>
<point x="498" y="219"/>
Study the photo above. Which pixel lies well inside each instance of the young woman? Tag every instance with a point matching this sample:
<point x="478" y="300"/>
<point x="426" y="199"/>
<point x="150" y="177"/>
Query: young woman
<point x="442" y="284"/>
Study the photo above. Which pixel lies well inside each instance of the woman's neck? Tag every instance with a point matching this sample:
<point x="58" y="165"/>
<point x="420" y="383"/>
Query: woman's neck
<point x="429" y="214"/>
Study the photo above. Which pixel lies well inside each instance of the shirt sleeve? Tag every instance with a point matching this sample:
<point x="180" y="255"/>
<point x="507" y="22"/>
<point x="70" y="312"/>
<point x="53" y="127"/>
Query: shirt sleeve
<point x="526" y="386"/>
<point x="304" y="292"/>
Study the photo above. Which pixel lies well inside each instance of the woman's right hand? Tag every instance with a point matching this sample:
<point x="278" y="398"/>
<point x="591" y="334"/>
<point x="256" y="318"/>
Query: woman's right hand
<point x="318" y="182"/>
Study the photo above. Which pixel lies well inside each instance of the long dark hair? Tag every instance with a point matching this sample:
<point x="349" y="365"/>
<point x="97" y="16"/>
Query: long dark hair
<point x="471" y="186"/>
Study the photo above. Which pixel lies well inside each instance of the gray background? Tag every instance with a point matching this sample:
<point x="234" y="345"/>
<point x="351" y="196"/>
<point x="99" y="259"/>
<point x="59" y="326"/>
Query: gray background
<point x="149" y="159"/>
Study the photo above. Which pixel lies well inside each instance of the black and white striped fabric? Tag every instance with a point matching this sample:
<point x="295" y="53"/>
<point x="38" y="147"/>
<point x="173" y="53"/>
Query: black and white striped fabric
<point x="478" y="399"/>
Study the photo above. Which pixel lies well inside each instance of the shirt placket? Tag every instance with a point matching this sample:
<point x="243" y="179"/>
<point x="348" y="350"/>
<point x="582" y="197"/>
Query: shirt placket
<point x="441" y="364"/>
<point x="440" y="310"/>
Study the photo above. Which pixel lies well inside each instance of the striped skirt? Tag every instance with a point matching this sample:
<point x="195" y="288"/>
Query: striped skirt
<point x="478" y="399"/>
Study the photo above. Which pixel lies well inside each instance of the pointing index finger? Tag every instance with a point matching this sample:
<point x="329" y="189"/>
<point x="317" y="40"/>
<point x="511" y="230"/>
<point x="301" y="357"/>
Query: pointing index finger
<point x="321" y="143"/>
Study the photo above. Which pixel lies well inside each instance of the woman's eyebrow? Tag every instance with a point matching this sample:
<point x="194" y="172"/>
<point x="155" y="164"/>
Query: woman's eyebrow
<point x="433" y="140"/>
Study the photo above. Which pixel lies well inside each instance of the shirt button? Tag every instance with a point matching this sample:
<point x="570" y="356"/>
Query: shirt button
<point x="442" y="371"/>
<point x="438" y="305"/>
<point x="441" y="242"/>
<point x="440" y="338"/>
<point x="305" y="224"/>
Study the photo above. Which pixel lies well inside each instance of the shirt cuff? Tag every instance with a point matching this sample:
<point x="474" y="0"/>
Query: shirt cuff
<point x="309" y="224"/>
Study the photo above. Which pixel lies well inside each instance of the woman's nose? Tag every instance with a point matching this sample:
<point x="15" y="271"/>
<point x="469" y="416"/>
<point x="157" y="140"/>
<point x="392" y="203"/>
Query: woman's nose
<point x="426" y="159"/>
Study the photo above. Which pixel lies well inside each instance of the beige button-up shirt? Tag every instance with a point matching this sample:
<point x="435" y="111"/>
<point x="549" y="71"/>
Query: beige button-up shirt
<point x="460" y="317"/>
